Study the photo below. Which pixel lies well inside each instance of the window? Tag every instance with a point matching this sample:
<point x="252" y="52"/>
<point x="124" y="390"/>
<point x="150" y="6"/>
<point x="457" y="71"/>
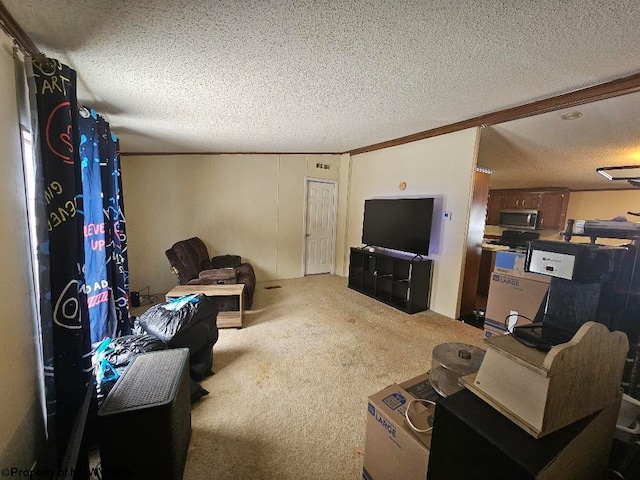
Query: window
<point x="30" y="182"/>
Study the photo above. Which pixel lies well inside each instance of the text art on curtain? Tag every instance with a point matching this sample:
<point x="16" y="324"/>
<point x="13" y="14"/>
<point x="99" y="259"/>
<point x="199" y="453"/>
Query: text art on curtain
<point x="82" y="252"/>
<point x="117" y="262"/>
<point x="65" y="327"/>
<point x="96" y="285"/>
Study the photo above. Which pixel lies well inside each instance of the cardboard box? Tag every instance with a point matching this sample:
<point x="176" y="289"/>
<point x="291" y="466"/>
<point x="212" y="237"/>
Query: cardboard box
<point x="512" y="263"/>
<point x="393" y="451"/>
<point x="420" y="387"/>
<point x="509" y="294"/>
<point x="492" y="329"/>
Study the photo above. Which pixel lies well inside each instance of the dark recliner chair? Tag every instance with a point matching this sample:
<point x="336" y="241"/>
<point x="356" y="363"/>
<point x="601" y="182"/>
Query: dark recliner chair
<point x="192" y="265"/>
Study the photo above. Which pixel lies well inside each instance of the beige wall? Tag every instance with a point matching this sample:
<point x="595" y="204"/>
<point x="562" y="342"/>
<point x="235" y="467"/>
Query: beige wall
<point x="440" y="167"/>
<point x="603" y="205"/>
<point x="290" y="213"/>
<point x="253" y="205"/>
<point x="342" y="249"/>
<point x="244" y="205"/>
<point x="323" y="166"/>
<point x="165" y="200"/>
<point x="20" y="416"/>
<point x="249" y="205"/>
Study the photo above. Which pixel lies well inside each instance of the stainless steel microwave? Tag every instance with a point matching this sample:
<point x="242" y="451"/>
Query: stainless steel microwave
<point x="520" y="219"/>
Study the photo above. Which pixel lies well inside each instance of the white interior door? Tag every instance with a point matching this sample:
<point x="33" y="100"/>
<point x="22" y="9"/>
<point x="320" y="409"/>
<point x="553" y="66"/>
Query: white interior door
<point x="320" y="226"/>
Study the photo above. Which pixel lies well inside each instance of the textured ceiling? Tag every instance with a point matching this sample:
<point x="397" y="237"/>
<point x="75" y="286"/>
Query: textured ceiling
<point x="546" y="151"/>
<point x="322" y="76"/>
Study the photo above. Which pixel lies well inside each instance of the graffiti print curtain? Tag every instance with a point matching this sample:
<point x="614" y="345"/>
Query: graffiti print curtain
<point x="82" y="252"/>
<point x="113" y="204"/>
<point x="64" y="320"/>
<point x="106" y="274"/>
<point x="96" y="286"/>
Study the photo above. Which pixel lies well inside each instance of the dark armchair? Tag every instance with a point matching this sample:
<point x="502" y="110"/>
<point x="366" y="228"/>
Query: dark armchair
<point x="192" y="265"/>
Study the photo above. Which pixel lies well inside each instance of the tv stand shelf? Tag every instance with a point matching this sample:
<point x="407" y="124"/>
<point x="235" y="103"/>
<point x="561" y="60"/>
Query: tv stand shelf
<point x="402" y="282"/>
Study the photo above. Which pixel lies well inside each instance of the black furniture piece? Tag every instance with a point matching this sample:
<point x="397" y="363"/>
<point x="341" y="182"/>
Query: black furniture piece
<point x="472" y="440"/>
<point x="623" y="300"/>
<point x="402" y="281"/>
<point x="145" y="421"/>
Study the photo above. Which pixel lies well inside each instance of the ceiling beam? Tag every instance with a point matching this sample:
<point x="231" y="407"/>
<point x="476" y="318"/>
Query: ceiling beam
<point x="615" y="88"/>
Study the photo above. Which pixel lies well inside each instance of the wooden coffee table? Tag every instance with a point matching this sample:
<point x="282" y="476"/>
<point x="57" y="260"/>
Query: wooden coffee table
<point x="225" y="319"/>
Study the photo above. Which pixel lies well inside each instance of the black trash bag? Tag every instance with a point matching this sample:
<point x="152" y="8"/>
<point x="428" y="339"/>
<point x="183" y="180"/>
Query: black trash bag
<point x="201" y="361"/>
<point x="196" y="392"/>
<point x="123" y="349"/>
<point x="192" y="325"/>
<point x="119" y="354"/>
<point x="171" y="325"/>
<point x="136" y="329"/>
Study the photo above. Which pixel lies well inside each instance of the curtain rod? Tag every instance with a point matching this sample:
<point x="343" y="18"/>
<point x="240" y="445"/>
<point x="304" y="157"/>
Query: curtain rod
<point x="15" y="31"/>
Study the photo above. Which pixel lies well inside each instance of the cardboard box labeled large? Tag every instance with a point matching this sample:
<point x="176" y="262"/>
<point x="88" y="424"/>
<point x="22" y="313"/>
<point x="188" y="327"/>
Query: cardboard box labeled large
<point x="492" y="329"/>
<point x="512" y="296"/>
<point x="393" y="451"/>
<point x="512" y="263"/>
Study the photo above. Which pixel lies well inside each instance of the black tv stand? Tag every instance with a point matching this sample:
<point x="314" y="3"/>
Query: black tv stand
<point x="402" y="282"/>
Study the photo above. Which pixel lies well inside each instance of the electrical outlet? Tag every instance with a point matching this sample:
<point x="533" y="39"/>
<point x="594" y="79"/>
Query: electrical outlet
<point x="446" y="215"/>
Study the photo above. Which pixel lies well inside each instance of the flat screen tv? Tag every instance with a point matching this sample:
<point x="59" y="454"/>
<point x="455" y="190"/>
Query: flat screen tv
<point x="398" y="224"/>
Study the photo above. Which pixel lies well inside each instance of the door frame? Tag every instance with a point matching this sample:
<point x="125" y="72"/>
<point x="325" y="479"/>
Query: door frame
<point x="334" y="219"/>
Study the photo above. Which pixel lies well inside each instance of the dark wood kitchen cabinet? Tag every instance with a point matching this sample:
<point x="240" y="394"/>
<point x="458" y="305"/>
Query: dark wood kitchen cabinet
<point x="510" y="200"/>
<point x="520" y="200"/>
<point x="493" y="207"/>
<point x="553" y="209"/>
<point x="552" y="205"/>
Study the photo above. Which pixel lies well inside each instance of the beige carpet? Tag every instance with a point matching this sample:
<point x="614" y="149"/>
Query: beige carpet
<point x="289" y="394"/>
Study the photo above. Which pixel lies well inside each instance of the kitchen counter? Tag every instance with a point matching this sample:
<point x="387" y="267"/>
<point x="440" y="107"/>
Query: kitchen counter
<point x="492" y="247"/>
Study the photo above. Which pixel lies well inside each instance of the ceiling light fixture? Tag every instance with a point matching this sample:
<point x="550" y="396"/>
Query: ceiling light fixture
<point x="627" y="172"/>
<point x="571" y="116"/>
<point x="604" y="173"/>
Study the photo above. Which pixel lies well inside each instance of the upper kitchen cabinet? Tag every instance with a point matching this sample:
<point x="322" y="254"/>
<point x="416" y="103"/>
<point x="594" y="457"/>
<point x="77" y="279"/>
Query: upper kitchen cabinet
<point x="552" y="205"/>
<point x="493" y="207"/>
<point x="553" y="209"/>
<point x="510" y="200"/>
<point x="520" y="200"/>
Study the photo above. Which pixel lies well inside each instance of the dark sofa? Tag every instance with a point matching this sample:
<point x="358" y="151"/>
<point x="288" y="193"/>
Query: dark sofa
<point x="192" y="265"/>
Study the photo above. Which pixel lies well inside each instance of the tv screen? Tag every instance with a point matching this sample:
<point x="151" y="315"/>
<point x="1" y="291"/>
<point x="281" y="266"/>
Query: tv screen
<point x="398" y="223"/>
